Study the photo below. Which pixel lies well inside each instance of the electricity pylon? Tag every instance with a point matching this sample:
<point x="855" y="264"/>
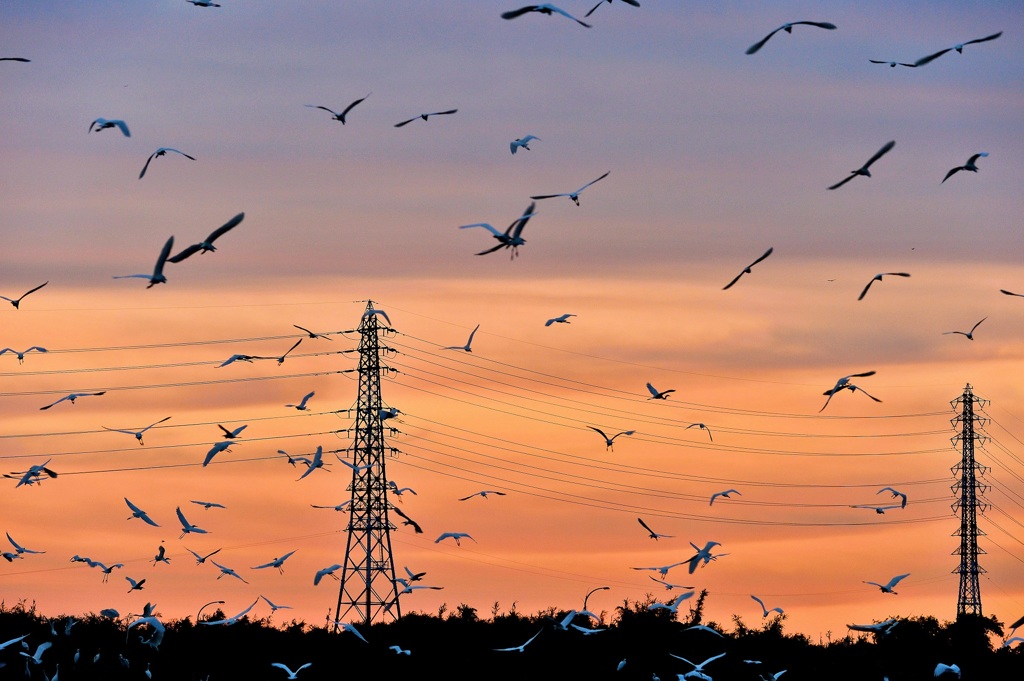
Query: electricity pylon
<point x="368" y="575"/>
<point x="970" y="500"/>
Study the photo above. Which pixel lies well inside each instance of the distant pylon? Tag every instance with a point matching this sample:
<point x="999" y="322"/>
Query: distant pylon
<point x="970" y="500"/>
<point x="368" y="574"/>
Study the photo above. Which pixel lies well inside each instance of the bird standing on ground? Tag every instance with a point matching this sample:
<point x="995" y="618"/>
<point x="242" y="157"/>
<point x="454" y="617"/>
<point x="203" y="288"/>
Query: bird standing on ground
<point x="888" y="587"/>
<point x="207" y="243"/>
<point x="522" y="142"/>
<point x="959" y="48"/>
<point x="575" y="196"/>
<point x="162" y="151"/>
<point x="609" y="442"/>
<point x="878" y="277"/>
<point x="747" y="269"/>
<point x="788" y="28"/>
<point x="16" y="302"/>
<point x="863" y="170"/>
<point x="467" y="347"/>
<point x="103" y="124"/>
<point x="340" y="117"/>
<point x="426" y="116"/>
<point x="158" y="271"/>
<point x="970" y="165"/>
<point x="969" y="334"/>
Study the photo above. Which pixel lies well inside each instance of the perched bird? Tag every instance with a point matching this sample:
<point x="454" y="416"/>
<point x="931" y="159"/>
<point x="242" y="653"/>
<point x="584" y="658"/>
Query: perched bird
<point x="457" y="536"/>
<point x="139" y="513"/>
<point x="895" y="493"/>
<point x="469" y="342"/>
<point x="724" y="495"/>
<point x="207" y="243"/>
<point x="291" y="674"/>
<point x="301" y="406"/>
<point x="311" y="334"/>
<point x="482" y="493"/>
<point x="788" y="28"/>
<point x="426" y="116"/>
<point x="609" y="442"/>
<point x="189" y="528"/>
<point x="654" y="535"/>
<point x="959" y="48"/>
<point x="16" y="302"/>
<point x="844" y="384"/>
<point x="222" y="446"/>
<point x="764" y="610"/>
<point x="659" y="394"/>
<point x="970" y="165"/>
<point x="20" y="549"/>
<point x="941" y="669"/>
<point x="162" y="151"/>
<point x="863" y="170"/>
<point x="72" y="397"/>
<point x="224" y="570"/>
<point x="518" y="649"/>
<point x="891" y="63"/>
<point x="522" y="142"/>
<point x="511" y="237"/>
<point x="888" y="587"/>
<point x="747" y="269"/>
<point x="202" y="559"/>
<point x="340" y="117"/>
<point x="275" y="563"/>
<point x="137" y="433"/>
<point x="326" y="572"/>
<point x="406" y="520"/>
<point x="135" y="586"/>
<point x="575" y="196"/>
<point x="21" y="355"/>
<point x="878" y="277"/>
<point x="634" y="3"/>
<point x="158" y="271"/>
<point x="103" y="124"/>
<point x="969" y="334"/>
<point x="701" y="426"/>
<point x="564" y="319"/>
<point x="544" y="8"/>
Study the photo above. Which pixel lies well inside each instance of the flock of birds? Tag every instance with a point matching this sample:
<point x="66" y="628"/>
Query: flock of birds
<point x="510" y="239"/>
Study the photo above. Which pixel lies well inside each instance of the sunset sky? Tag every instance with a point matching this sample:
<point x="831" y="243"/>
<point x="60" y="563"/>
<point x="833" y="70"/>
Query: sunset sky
<point x="714" y="156"/>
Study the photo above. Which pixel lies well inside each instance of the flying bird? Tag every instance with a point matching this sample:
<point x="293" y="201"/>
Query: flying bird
<point x="609" y="442"/>
<point x="202" y="559"/>
<point x="232" y="434"/>
<point x="518" y="649"/>
<point x="888" y="587"/>
<point x="575" y="196"/>
<point x="406" y="520"/>
<point x="703" y="556"/>
<point x="895" y="493"/>
<point x="941" y="669"/>
<point x="893" y="64"/>
<point x="203" y="3"/>
<point x="340" y="117"/>
<point x="863" y="170"/>
<point x="291" y="674"/>
<point x="311" y="334"/>
<point x="653" y="535"/>
<point x="317" y="462"/>
<point x="162" y="151"/>
<point x="137" y="433"/>
<point x="274" y="607"/>
<point x="158" y="271"/>
<point x="482" y="493"/>
<point x="747" y="269"/>
<point x="238" y="358"/>
<point x="878" y="277"/>
<point x="135" y="586"/>
<point x="224" y="570"/>
<point x="72" y="397"/>
<point x="469" y="342"/>
<point x="724" y="495"/>
<point x="326" y="572"/>
<point x="33" y="475"/>
<point x="959" y="48"/>
<point x="1002" y="290"/>
<point x="20" y="549"/>
<point x="662" y="569"/>
<point x="16" y="302"/>
<point x="668" y="586"/>
<point x="275" y="563"/>
<point x="280" y="360"/>
<point x="301" y="406"/>
<point x="659" y="394"/>
<point x="511" y="237"/>
<point x="189" y="528"/>
<point x="698" y="669"/>
<point x="161" y="556"/>
<point x="21" y="59"/>
<point x="373" y="313"/>
<point x="844" y="384"/>
<point x="544" y="8"/>
<point x="139" y="513"/>
<point x="765" y="610"/>
<point x="21" y="354"/>
<point x="522" y="142"/>
<point x="634" y="3"/>
<point x="971" y="165"/>
<point x="457" y="536"/>
<point x="877" y="509"/>
<point x="969" y="334"/>
<point x="103" y="124"/>
<point x="222" y="446"/>
<point x="426" y="116"/>
<point x="877" y="628"/>
<point x="227" y="621"/>
<point x="207" y="243"/>
<point x="564" y="319"/>
<point x="788" y="28"/>
<point x="673" y="606"/>
<point x="701" y="426"/>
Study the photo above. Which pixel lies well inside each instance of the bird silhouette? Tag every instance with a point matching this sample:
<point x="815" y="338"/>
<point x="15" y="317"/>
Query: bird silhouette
<point x="878" y="277"/>
<point x="71" y="397"/>
<point x="844" y="384"/>
<point x="103" y="124"/>
<point x="136" y="433"/>
<point x="207" y="243"/>
<point x="189" y="528"/>
<point x="764" y="610"/>
<point x="653" y="535"/>
<point x="162" y="151"/>
<point x="139" y="513"/>
<point x="158" y="271"/>
<point x="16" y="302"/>
<point x="725" y="495"/>
<point x="544" y="8"/>
<point x="457" y="536"/>
<point x="426" y="116"/>
<point x="301" y="406"/>
<point x="21" y="354"/>
<point x="511" y="237"/>
<point x="888" y="587"/>
<point x="634" y="3"/>
<point x="609" y="442"/>
<point x="575" y="196"/>
<point x="747" y="269"/>
<point x="522" y="142"/>
<point x="788" y="28"/>
<point x="863" y="170"/>
<point x="969" y="334"/>
<point x="659" y="394"/>
<point x="959" y="48"/>
<point x="564" y="319"/>
<point x="467" y="347"/>
<point x="340" y="117"/>
<point x="971" y="166"/>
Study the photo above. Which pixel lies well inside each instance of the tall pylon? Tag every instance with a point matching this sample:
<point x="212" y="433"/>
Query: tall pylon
<point x="969" y="491"/>
<point x="368" y="575"/>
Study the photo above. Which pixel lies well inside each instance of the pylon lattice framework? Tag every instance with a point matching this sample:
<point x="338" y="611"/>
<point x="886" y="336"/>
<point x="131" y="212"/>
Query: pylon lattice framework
<point x="368" y="574"/>
<point x="969" y="491"/>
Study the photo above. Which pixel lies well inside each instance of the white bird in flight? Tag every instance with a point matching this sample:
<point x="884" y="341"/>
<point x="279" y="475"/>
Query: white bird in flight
<point x="203" y="3"/>
<point x="969" y="334"/>
<point x="698" y="669"/>
<point x="275" y="563"/>
<point x="227" y="621"/>
<point x="340" y="117"/>
<point x="511" y="237"/>
<point x="893" y="64"/>
<point x="189" y="528"/>
<point x="103" y="124"/>
<point x="202" y="559"/>
<point x="764" y="610"/>
<point x="137" y="433"/>
<point x="788" y="28"/>
<point x="609" y="442"/>
<point x="162" y="151"/>
<point x="158" y="271"/>
<point x="942" y="668"/>
<point x="543" y="8"/>
<point x="317" y="462"/>
<point x="659" y="394"/>
<point x="703" y="556"/>
<point x="863" y="170"/>
<point x="888" y="587"/>
<point x="291" y="674"/>
<point x="207" y="243"/>
<point x="482" y="493"/>
<point x="958" y="47"/>
<point x="877" y="509"/>
<point x="135" y="586"/>
<point x="653" y="535"/>
<point x="518" y="649"/>
<point x="844" y="384"/>
<point x="21" y="354"/>
<point x="724" y="495"/>
<point x="301" y="406"/>
<point x="878" y="277"/>
<point x="575" y="196"/>
<point x="895" y="493"/>
<point x="747" y="269"/>
<point x="673" y="606"/>
<point x="634" y="3"/>
<point x="426" y="116"/>
<point x="274" y="607"/>
<point x="72" y="397"/>
<point x="139" y="513"/>
<point x="467" y="347"/>
<point x="970" y="165"/>
<point x="374" y="313"/>
<point x="326" y="572"/>
<point x="16" y="302"/>
<point x="217" y="448"/>
<point x="663" y="569"/>
<point x="701" y="426"/>
<point x="522" y="142"/>
<point x="668" y="585"/>
<point x="232" y="434"/>
<point x="564" y="319"/>
<point x="224" y="570"/>
<point x="20" y="549"/>
<point x="457" y="536"/>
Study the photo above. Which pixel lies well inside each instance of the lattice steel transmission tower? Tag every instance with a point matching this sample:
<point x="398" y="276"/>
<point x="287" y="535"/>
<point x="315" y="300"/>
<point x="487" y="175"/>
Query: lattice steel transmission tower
<point x="368" y="574"/>
<point x="969" y="491"/>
